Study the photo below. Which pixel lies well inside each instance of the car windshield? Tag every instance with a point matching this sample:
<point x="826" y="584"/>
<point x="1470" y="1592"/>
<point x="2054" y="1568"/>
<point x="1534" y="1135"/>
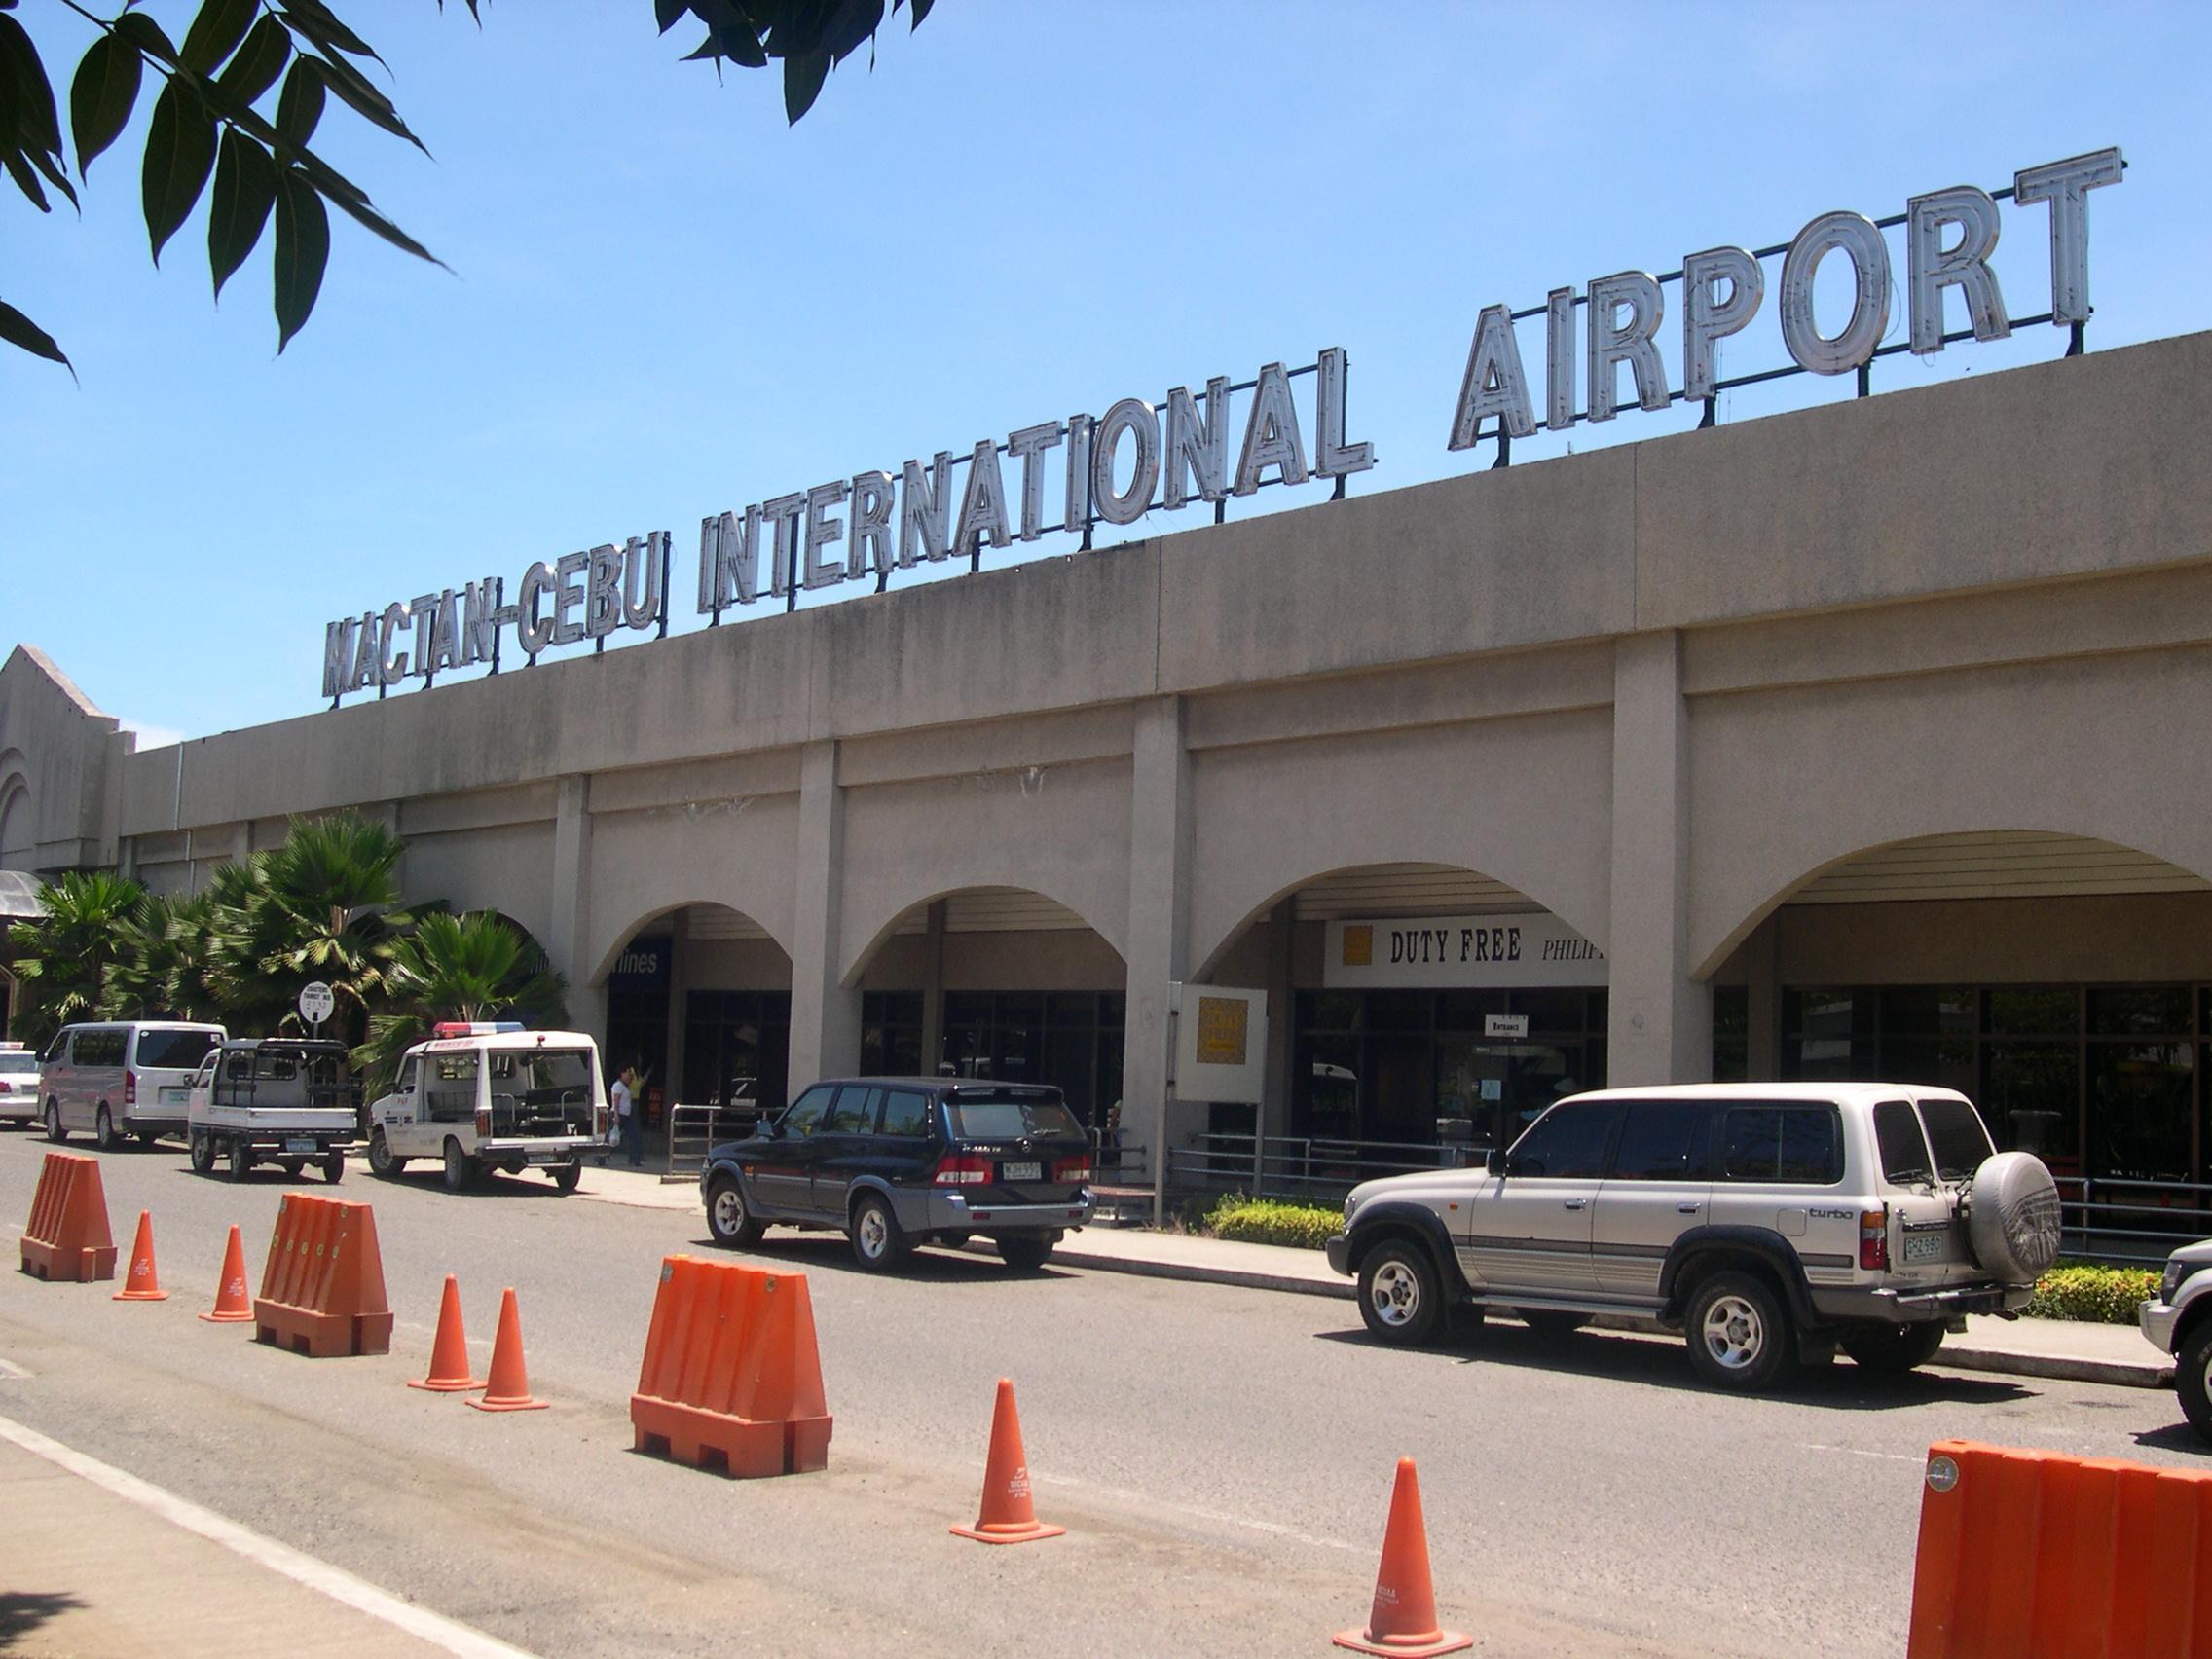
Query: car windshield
<point x="1011" y="1117"/>
<point x="1956" y="1137"/>
<point x="175" y="1050"/>
<point x="17" y="1060"/>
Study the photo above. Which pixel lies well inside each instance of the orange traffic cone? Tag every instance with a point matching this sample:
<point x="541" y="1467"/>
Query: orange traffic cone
<point x="1007" y="1516"/>
<point x="232" y="1304"/>
<point x="509" y="1390"/>
<point x="449" y="1350"/>
<point x="142" y="1283"/>
<point x="1403" y="1622"/>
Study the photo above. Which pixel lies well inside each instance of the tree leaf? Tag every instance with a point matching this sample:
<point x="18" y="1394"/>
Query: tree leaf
<point x="147" y="36"/>
<point x="245" y="188"/>
<point x="320" y="24"/>
<point x="254" y="70"/>
<point x="300" y="107"/>
<point x="303" y="249"/>
<point x="356" y="208"/>
<point x="37" y="124"/>
<point x="26" y="180"/>
<point x="181" y="152"/>
<point x="16" y="329"/>
<point x="101" y="96"/>
<point x="214" y="33"/>
<point x="803" y="76"/>
<point x="51" y="166"/>
<point x="353" y="87"/>
<point x="919" y="9"/>
<point x="669" y="13"/>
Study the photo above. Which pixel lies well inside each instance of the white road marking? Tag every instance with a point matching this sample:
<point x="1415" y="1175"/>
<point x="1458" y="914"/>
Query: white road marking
<point x="1124" y="1496"/>
<point x="336" y="1582"/>
<point x="14" y="1372"/>
<point x="1854" y="1451"/>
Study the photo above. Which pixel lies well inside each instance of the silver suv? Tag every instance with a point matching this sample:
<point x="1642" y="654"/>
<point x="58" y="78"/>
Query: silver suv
<point x="1768" y="1222"/>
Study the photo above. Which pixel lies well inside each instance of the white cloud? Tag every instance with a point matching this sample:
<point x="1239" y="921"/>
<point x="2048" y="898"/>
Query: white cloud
<point x="152" y="736"/>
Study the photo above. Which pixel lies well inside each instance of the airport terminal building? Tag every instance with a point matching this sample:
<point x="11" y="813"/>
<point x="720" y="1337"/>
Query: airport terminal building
<point x="1848" y="743"/>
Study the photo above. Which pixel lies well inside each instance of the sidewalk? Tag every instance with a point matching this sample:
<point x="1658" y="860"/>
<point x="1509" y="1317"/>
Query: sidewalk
<point x="2062" y="1350"/>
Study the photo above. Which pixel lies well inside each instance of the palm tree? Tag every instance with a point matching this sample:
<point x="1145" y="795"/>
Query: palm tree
<point x="165" y="960"/>
<point x="61" y="960"/>
<point x="478" y="966"/>
<point x="325" y="906"/>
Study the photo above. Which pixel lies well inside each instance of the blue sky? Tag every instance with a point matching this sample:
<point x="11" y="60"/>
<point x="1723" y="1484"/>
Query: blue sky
<point x="664" y="303"/>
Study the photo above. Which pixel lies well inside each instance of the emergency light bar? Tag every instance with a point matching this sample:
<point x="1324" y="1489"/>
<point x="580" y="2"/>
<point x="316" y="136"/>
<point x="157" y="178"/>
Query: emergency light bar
<point x="474" y="1028"/>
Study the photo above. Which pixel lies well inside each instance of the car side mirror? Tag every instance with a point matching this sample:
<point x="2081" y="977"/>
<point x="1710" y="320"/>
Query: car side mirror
<point x="1495" y="1163"/>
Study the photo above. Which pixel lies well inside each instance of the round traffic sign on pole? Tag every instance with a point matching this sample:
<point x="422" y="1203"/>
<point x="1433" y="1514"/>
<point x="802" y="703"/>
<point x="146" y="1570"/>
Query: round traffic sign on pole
<point x="316" y="1003"/>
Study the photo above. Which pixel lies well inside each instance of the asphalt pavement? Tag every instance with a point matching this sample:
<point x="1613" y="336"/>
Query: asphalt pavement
<point x="1221" y="1455"/>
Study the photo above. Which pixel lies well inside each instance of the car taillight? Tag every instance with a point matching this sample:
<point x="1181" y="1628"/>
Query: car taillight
<point x="962" y="1169"/>
<point x="484" y="1121"/>
<point x="130" y="1089"/>
<point x="598" y="1121"/>
<point x="5" y="1088"/>
<point x="1875" y="1239"/>
<point x="1071" y="1170"/>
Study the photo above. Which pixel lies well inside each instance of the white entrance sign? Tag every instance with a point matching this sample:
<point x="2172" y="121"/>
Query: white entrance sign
<point x="1459" y="953"/>
<point x="316" y="1003"/>
<point x="1505" y="1025"/>
<point x="1221" y="1042"/>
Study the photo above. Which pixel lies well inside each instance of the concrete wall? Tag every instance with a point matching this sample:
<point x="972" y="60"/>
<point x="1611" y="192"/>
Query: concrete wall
<point x="1655" y="689"/>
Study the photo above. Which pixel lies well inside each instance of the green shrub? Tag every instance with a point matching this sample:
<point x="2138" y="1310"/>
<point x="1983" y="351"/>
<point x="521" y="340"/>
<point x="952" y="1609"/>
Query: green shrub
<point x="1264" y="1221"/>
<point x="2083" y="1291"/>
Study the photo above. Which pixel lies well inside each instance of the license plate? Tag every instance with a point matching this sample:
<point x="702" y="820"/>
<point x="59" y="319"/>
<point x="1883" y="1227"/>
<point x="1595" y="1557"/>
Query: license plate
<point x="1021" y="1172"/>
<point x="545" y="1157"/>
<point x="1924" y="1246"/>
<point x="303" y="1143"/>
<point x="176" y="1097"/>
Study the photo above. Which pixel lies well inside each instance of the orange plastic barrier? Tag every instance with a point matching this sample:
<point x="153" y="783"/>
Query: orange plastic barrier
<point x="67" y="1237"/>
<point x="322" y="1289"/>
<point x="732" y="1378"/>
<point x="2033" y="1553"/>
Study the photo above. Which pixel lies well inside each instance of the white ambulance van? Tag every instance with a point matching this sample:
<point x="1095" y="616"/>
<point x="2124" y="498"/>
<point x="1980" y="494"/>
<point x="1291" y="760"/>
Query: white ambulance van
<point x="493" y="1096"/>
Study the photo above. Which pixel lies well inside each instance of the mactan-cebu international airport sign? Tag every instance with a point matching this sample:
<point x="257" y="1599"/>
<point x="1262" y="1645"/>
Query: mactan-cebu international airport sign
<point x="1066" y="477"/>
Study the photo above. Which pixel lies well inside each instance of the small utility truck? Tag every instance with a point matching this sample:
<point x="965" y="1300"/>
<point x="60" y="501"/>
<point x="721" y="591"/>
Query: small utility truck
<point x="290" y="1101"/>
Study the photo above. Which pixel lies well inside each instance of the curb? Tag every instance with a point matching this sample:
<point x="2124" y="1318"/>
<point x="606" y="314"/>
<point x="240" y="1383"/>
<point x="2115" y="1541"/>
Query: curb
<point x="2058" y="1368"/>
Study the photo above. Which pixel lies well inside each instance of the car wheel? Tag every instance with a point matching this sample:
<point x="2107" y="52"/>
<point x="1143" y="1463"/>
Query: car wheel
<point x="382" y="1163"/>
<point x="240" y="1160"/>
<point x="1739" y="1334"/>
<point x="566" y="1177"/>
<point x="1399" y="1297"/>
<point x="877" y="1242"/>
<point x="1550" y="1322"/>
<point x="1025" y="1252"/>
<point x="292" y="1166"/>
<point x="103" y="1131"/>
<point x="333" y="1166"/>
<point x="730" y="1218"/>
<point x="55" y="1133"/>
<point x="202" y="1153"/>
<point x="457" y="1170"/>
<point x="2193" y="1379"/>
<point x="1892" y="1350"/>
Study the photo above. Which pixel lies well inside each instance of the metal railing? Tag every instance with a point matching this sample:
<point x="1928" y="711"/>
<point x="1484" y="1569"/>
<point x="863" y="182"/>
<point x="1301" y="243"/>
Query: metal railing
<point x="2107" y="1219"/>
<point x="695" y="1130"/>
<point x="1303" y="1166"/>
<point x="1113" y="1164"/>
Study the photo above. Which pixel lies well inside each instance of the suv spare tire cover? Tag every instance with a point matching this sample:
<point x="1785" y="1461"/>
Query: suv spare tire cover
<point x="2014" y="1220"/>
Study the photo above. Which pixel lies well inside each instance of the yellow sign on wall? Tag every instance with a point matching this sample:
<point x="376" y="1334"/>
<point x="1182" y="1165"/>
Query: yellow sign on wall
<point x="1221" y="1030"/>
<point x="1358" y="944"/>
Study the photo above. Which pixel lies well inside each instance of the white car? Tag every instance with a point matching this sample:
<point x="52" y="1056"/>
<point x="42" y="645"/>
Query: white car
<point x="125" y="1077"/>
<point x="493" y="1096"/>
<point x="18" y="1083"/>
<point x="2179" y="1321"/>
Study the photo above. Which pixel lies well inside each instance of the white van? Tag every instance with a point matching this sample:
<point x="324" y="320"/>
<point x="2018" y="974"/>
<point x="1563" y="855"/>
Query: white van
<point x="130" y="1077"/>
<point x="19" y="1097"/>
<point x="493" y="1096"/>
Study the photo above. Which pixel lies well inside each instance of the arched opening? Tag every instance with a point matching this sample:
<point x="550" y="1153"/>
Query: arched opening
<point x="996" y="982"/>
<point x="1414" y="1004"/>
<point x="17" y="837"/>
<point x="699" y="997"/>
<point x="2062" y="982"/>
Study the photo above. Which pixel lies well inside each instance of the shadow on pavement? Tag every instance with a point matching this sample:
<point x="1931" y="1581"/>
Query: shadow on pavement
<point x="1663" y="1363"/>
<point x="2177" y="1437"/>
<point x="23" y="1611"/>
<point x="828" y="1252"/>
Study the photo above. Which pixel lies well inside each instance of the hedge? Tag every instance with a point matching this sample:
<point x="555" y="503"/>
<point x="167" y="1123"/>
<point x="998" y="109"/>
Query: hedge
<point x="1265" y="1221"/>
<point x="2083" y="1291"/>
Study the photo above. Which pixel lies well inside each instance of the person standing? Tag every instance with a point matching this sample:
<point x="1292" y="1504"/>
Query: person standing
<point x="623" y="1097"/>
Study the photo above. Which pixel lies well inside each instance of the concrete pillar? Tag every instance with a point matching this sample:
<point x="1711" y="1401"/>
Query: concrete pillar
<point x="1281" y="1012"/>
<point x="1762" y="1038"/>
<point x="678" y="984"/>
<point x="1158" y="936"/>
<point x="932" y="991"/>
<point x="825" y="1015"/>
<point x="1661" y="1026"/>
<point x="568" y="936"/>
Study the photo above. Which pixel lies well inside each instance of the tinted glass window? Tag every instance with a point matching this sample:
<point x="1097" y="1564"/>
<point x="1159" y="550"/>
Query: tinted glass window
<point x="1665" y="1140"/>
<point x="1800" y="1144"/>
<point x="1956" y="1136"/>
<point x="174" y="1051"/>
<point x="452" y="1078"/>
<point x="1904" y="1154"/>
<point x="855" y="1112"/>
<point x="988" y="1117"/>
<point x="905" y="1112"/>
<point x="17" y="1060"/>
<point x="1567" y="1141"/>
<point x="805" y="1113"/>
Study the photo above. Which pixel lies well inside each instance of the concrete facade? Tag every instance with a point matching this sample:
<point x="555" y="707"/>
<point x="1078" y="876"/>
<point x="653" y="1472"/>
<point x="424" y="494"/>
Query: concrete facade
<point x="1655" y="690"/>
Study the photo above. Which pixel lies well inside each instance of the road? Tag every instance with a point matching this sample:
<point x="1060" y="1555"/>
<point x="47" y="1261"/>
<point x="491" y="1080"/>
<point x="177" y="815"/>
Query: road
<point x="1222" y="1457"/>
